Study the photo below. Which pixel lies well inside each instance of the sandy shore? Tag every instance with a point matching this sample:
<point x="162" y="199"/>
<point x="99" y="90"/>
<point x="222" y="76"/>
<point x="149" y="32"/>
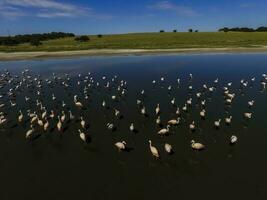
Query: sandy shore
<point x="99" y="52"/>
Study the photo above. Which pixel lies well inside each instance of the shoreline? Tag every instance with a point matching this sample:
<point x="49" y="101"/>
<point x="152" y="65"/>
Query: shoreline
<point x="16" y="56"/>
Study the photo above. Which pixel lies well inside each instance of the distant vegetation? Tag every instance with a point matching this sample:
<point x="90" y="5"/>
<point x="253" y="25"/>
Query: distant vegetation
<point x="35" y="42"/>
<point x="167" y="40"/>
<point x="34" y="39"/>
<point x="243" y="29"/>
<point x="175" y="31"/>
<point x="83" y="38"/>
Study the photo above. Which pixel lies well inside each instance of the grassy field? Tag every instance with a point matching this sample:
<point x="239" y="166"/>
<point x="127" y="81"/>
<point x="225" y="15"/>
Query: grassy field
<point x="151" y="41"/>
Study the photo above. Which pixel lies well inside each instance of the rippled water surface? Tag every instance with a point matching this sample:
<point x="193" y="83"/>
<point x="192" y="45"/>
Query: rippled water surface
<point x="56" y="165"/>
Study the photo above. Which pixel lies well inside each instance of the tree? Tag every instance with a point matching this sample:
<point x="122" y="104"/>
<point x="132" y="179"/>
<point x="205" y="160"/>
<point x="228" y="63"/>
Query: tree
<point x="175" y="31"/>
<point x="262" y="29"/>
<point x="161" y="31"/>
<point x="29" y="38"/>
<point x="225" y="29"/>
<point x="99" y="36"/>
<point x="36" y="42"/>
<point x="190" y="30"/>
<point x="83" y="38"/>
<point x="196" y="31"/>
<point x="9" y="41"/>
<point x="243" y="29"/>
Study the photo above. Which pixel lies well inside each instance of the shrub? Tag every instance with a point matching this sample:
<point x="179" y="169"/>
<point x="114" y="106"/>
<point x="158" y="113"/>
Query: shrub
<point x="36" y="42"/>
<point x="83" y="38"/>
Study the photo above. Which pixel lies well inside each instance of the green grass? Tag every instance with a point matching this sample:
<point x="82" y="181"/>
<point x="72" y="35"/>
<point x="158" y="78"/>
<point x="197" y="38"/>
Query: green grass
<point x="151" y="41"/>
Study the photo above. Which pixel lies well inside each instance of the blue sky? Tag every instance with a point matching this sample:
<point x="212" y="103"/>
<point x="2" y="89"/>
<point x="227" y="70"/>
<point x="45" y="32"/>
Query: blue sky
<point x="123" y="16"/>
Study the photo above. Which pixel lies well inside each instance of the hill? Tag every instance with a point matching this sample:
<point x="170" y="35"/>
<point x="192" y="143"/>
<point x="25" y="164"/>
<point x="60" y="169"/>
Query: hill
<point x="149" y="41"/>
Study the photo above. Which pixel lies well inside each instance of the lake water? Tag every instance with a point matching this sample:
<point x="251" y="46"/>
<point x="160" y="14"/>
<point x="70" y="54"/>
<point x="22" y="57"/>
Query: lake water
<point x="61" y="166"/>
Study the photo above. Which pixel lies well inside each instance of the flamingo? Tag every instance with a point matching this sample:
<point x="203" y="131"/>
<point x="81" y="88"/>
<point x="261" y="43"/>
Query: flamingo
<point x="82" y="122"/>
<point x="173" y="101"/>
<point x="168" y="148"/>
<point x="46" y="124"/>
<point x="174" y="121"/>
<point x="228" y="120"/>
<point x="158" y="121"/>
<point x="164" y="131"/>
<point x="20" y="118"/>
<point x="192" y="126"/>
<point x="157" y="109"/>
<point x="233" y="139"/>
<point x="248" y="115"/>
<point x="82" y="135"/>
<point x="251" y="103"/>
<point x="59" y="124"/>
<point x="217" y="123"/>
<point x="63" y="117"/>
<point x="202" y="113"/>
<point x="29" y="132"/>
<point x="197" y="145"/>
<point x="132" y="127"/>
<point x="153" y="150"/>
<point x="121" y="145"/>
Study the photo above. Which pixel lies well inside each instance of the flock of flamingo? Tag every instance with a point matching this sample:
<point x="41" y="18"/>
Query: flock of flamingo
<point x="40" y="120"/>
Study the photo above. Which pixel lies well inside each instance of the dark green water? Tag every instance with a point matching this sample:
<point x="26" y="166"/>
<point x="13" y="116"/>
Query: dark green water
<point x="63" y="167"/>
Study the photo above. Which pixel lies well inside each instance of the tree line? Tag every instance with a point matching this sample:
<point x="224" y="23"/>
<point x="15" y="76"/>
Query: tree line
<point x="175" y="31"/>
<point x="34" y="39"/>
<point x="243" y="29"/>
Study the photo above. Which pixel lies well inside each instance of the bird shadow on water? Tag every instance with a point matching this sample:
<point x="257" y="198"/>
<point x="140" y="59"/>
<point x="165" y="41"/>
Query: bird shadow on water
<point x="14" y="125"/>
<point x="65" y="129"/>
<point x="128" y="149"/>
<point x="52" y="130"/>
<point x="88" y="139"/>
<point x="34" y="137"/>
<point x="135" y="131"/>
<point x="90" y="149"/>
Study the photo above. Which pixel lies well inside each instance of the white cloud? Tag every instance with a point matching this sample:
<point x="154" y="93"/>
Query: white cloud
<point x="9" y="11"/>
<point x="245" y="5"/>
<point x="41" y="8"/>
<point x="47" y="4"/>
<point x="178" y="9"/>
<point x="54" y="14"/>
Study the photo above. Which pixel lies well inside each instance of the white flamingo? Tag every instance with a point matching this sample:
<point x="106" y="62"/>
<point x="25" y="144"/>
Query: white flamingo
<point x="217" y="123"/>
<point x="82" y="135"/>
<point x="233" y="139"/>
<point x="157" y="109"/>
<point x="20" y="118"/>
<point x="248" y="115"/>
<point x="174" y="121"/>
<point x="228" y="120"/>
<point x="192" y="126"/>
<point x="168" y="148"/>
<point x="82" y="122"/>
<point x="197" y="145"/>
<point x="59" y="124"/>
<point x="121" y="145"/>
<point x="29" y="132"/>
<point x="164" y="131"/>
<point x="46" y="124"/>
<point x="153" y="150"/>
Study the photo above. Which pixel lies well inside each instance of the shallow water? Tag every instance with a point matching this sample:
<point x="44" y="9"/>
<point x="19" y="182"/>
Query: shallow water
<point x="63" y="167"/>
